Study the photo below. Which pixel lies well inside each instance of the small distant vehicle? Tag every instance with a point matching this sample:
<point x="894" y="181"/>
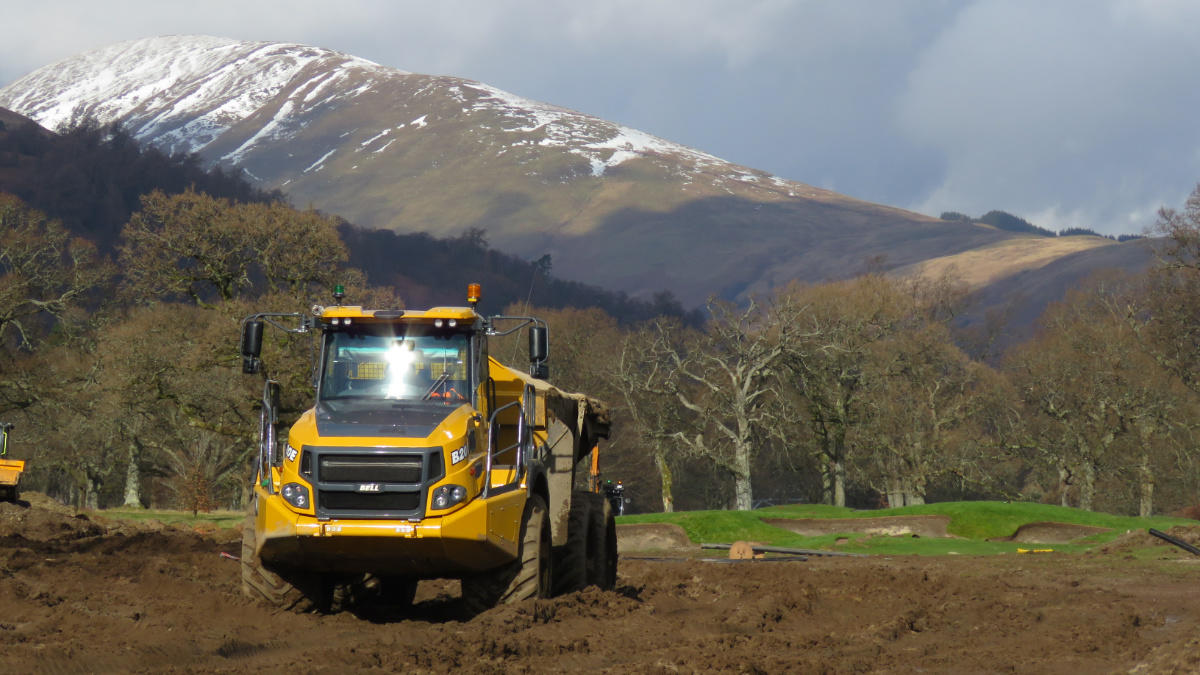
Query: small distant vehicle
<point x="10" y="469"/>
<point x="615" y="494"/>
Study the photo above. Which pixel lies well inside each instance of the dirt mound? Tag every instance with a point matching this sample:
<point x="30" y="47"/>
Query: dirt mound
<point x="36" y="520"/>
<point x="1052" y="533"/>
<point x="652" y="537"/>
<point x="1142" y="539"/>
<point x="887" y="526"/>
<point x="151" y="600"/>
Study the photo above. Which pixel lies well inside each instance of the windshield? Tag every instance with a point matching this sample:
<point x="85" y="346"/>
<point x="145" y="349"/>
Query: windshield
<point x="388" y="362"/>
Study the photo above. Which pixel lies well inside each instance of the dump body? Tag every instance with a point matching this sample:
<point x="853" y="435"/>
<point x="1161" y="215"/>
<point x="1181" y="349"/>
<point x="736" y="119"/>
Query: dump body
<point x="420" y="455"/>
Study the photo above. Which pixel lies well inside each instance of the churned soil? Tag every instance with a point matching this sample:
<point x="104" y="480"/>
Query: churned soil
<point x="79" y="594"/>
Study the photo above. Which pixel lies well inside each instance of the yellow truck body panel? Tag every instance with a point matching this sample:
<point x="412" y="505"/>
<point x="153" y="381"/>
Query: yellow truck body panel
<point x="10" y="471"/>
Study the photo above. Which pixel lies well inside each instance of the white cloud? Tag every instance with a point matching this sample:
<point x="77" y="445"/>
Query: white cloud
<point x="1085" y="109"/>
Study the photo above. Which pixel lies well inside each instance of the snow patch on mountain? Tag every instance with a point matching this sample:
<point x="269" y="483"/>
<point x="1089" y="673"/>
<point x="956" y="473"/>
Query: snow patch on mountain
<point x="604" y="144"/>
<point x="187" y="93"/>
<point x="184" y="92"/>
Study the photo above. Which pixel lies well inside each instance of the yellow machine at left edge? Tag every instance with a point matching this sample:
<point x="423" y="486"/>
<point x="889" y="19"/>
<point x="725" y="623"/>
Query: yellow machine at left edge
<point x="10" y="469"/>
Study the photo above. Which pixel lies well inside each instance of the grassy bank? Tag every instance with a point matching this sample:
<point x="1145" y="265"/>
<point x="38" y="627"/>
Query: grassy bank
<point x="971" y="526"/>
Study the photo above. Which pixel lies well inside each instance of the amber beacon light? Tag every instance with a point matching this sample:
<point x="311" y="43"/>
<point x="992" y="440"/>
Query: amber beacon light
<point x="473" y="293"/>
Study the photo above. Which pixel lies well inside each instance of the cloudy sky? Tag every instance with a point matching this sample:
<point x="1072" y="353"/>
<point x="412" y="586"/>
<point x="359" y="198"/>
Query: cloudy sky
<point x="1069" y="113"/>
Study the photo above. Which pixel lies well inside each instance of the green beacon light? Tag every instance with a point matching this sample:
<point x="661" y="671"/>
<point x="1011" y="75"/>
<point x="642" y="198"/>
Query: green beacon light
<point x="339" y="292"/>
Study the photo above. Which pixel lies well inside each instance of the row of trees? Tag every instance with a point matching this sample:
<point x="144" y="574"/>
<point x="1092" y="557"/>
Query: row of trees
<point x="125" y="383"/>
<point x="857" y="391"/>
<point x="124" y="377"/>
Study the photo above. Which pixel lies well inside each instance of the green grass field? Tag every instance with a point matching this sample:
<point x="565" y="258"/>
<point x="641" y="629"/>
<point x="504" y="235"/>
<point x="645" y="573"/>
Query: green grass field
<point x="972" y="524"/>
<point x="220" y="519"/>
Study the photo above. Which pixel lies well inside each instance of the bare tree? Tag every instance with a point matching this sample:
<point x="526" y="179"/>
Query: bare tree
<point x="920" y="411"/>
<point x="208" y="250"/>
<point x="827" y="361"/>
<point x="1108" y="402"/>
<point x="726" y="379"/>
<point x="44" y="273"/>
<point x="649" y="399"/>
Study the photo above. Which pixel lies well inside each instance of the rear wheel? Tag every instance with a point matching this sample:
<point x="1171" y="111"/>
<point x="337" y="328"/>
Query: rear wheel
<point x="295" y="592"/>
<point x="602" y="546"/>
<point x="571" y="559"/>
<point x="526" y="577"/>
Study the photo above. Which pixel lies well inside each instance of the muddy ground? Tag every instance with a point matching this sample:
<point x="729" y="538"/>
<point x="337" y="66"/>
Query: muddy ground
<point x="82" y="595"/>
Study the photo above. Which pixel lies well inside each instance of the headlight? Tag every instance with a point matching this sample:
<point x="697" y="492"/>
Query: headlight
<point x="296" y="495"/>
<point x="448" y="495"/>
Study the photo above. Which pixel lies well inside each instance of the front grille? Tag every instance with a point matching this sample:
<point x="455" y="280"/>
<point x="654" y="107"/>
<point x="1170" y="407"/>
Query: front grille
<point x="377" y="483"/>
<point x="387" y="501"/>
<point x="371" y="468"/>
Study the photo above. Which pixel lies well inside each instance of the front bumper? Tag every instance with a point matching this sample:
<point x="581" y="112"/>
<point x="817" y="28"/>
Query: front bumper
<point x="481" y="535"/>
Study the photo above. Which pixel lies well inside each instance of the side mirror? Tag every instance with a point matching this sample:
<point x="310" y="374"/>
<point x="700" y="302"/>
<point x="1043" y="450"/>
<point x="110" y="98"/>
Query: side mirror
<point x="539" y="350"/>
<point x="539" y="344"/>
<point x="252" y="332"/>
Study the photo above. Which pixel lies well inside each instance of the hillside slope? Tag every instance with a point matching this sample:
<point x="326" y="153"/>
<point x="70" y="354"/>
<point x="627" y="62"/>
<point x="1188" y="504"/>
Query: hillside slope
<point x="390" y="149"/>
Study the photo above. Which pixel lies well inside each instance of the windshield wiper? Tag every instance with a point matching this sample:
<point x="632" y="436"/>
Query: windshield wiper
<point x="437" y="383"/>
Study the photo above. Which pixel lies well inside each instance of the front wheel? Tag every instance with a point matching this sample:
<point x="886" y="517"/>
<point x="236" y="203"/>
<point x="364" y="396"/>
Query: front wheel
<point x="526" y="577"/>
<point x="294" y="592"/>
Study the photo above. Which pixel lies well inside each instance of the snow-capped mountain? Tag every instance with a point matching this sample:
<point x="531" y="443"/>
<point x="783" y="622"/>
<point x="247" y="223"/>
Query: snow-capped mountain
<point x="387" y="148"/>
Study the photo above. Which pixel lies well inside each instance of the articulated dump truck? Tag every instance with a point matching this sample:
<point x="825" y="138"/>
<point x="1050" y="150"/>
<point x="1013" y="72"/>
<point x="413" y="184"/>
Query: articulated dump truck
<point x="10" y="469"/>
<point x="422" y="457"/>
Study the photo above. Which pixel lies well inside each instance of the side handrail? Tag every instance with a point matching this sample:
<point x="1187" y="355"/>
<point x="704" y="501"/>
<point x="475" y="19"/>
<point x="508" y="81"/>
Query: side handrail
<point x="493" y="451"/>
<point x="267" y="447"/>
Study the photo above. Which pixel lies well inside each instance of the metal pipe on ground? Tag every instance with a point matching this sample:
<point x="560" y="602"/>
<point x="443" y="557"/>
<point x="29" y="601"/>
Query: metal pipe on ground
<point x="1178" y="542"/>
<point x="789" y="551"/>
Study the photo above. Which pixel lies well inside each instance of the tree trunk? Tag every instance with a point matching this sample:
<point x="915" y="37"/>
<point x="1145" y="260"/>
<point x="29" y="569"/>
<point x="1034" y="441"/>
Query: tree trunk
<point x="902" y="493"/>
<point x="1146" y="502"/>
<point x="743" y="496"/>
<point x="839" y="482"/>
<point x="91" y="500"/>
<point x="915" y="489"/>
<point x="664" y="472"/>
<point x="1087" y="490"/>
<point x="1064" y="485"/>
<point x="133" y="485"/>
<point x="837" y="469"/>
<point x="895" y="496"/>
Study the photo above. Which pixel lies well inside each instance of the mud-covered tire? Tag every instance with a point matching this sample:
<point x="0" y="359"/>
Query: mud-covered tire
<point x="602" y="545"/>
<point x="571" y="559"/>
<point x="296" y="593"/>
<point x="526" y="577"/>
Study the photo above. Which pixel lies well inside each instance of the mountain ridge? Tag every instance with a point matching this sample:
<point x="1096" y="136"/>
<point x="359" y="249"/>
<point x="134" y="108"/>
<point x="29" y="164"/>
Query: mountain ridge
<point x="390" y="149"/>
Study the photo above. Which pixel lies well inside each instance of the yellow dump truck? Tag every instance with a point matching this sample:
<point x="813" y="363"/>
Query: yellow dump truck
<point x="10" y="469"/>
<point x="422" y="457"/>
